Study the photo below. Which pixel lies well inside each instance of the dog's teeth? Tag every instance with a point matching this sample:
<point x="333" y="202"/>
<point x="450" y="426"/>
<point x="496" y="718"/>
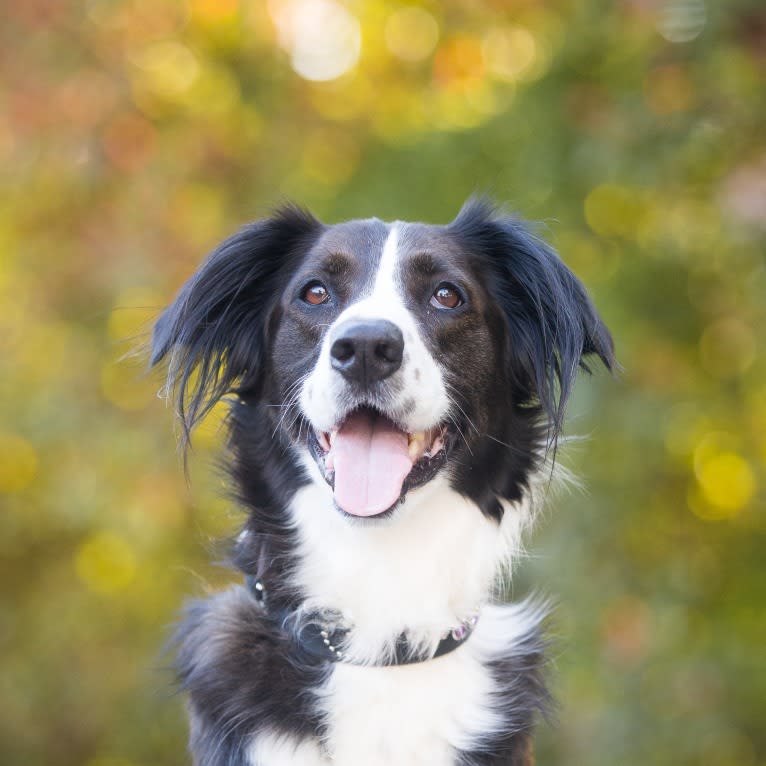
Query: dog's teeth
<point x="415" y="447"/>
<point x="333" y="434"/>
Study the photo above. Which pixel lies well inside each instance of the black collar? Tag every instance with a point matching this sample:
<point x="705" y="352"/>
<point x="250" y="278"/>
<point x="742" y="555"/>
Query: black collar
<point x="322" y="635"/>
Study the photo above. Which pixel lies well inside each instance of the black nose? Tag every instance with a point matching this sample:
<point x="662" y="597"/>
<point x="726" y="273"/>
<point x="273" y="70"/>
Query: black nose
<point x="367" y="350"/>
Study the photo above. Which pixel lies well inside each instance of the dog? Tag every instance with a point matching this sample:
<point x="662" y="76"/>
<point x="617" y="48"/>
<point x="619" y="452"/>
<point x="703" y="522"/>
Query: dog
<point x="396" y="392"/>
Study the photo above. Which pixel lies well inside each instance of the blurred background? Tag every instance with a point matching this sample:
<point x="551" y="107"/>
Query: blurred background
<point x="136" y="134"/>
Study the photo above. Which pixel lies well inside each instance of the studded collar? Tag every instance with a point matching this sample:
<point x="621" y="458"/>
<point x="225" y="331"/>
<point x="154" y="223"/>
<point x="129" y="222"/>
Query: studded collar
<point x="322" y="635"/>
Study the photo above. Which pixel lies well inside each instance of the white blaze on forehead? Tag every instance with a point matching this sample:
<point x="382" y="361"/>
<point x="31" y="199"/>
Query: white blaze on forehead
<point x="386" y="297"/>
<point x="385" y="280"/>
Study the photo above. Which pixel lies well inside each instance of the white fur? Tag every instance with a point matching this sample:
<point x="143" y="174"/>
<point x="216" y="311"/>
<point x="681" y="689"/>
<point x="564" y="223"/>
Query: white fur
<point x="410" y="714"/>
<point x="277" y="750"/>
<point x="422" y="379"/>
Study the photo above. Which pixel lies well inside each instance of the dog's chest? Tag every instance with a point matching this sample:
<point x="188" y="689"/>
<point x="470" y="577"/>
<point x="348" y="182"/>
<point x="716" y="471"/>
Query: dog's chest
<point x="410" y="714"/>
<point x="406" y="715"/>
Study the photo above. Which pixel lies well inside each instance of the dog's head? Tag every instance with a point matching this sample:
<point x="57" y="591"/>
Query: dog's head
<point x="388" y="354"/>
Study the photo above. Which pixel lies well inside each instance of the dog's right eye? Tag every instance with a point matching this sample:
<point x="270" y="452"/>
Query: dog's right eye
<point x="315" y="293"/>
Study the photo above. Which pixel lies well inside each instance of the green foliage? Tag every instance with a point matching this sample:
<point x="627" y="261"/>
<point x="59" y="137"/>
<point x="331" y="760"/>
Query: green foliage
<point x="135" y="134"/>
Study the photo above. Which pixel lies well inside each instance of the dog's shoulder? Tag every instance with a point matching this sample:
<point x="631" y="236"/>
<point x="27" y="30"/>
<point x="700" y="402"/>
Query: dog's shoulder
<point x="242" y="678"/>
<point x="511" y="641"/>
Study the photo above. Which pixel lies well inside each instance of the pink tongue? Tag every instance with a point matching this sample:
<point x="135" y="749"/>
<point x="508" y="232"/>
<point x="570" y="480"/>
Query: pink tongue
<point x="371" y="463"/>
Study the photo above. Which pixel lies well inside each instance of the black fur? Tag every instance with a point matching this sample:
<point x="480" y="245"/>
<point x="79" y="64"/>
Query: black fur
<point x="235" y="328"/>
<point x="551" y="321"/>
<point x="217" y="332"/>
<point x="243" y="675"/>
<point x="545" y="324"/>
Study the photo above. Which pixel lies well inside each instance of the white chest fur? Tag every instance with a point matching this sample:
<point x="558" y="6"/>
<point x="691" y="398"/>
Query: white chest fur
<point x="409" y="715"/>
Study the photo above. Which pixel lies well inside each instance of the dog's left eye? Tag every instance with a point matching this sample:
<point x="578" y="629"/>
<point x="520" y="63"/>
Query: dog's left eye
<point x="446" y="296"/>
<point x="315" y="293"/>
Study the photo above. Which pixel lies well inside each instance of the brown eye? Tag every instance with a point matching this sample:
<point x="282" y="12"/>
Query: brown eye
<point x="446" y="296"/>
<point x="315" y="294"/>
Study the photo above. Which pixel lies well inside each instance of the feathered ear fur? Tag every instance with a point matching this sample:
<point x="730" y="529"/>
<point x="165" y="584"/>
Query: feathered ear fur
<point x="552" y="323"/>
<point x="214" y="333"/>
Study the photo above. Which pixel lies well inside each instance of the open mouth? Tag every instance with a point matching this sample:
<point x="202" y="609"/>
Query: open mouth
<point x="371" y="463"/>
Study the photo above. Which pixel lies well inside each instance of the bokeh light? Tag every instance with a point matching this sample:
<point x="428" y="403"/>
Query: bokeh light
<point x="105" y="563"/>
<point x="680" y="21"/>
<point x="18" y="463"/>
<point x="322" y="37"/>
<point x="411" y="33"/>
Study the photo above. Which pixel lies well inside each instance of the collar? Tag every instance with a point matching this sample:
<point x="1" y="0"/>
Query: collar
<point x="322" y="634"/>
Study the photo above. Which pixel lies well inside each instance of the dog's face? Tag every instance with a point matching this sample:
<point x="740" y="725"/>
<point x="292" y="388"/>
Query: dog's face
<point x="385" y="320"/>
<point x="389" y="354"/>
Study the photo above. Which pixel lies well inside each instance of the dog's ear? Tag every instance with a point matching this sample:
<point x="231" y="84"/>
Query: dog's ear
<point x="552" y="323"/>
<point x="214" y="333"/>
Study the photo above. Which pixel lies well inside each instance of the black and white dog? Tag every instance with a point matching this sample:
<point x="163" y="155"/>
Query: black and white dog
<point x="396" y="393"/>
